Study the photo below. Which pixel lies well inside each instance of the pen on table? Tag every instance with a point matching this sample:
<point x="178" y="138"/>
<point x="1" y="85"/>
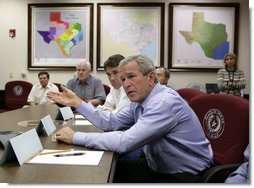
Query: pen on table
<point x="57" y="151"/>
<point x="70" y="154"/>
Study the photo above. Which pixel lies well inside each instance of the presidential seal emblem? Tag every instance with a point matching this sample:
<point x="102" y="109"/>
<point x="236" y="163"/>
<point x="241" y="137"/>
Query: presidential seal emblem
<point x="18" y="90"/>
<point x="213" y="123"/>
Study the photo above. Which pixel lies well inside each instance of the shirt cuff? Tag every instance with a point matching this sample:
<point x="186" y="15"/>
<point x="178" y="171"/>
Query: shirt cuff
<point x="80" y="105"/>
<point x="78" y="138"/>
<point x="84" y="107"/>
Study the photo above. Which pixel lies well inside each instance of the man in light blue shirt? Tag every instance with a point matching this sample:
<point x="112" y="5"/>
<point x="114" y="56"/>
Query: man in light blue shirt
<point x="241" y="175"/>
<point x="117" y="99"/>
<point x="157" y="119"/>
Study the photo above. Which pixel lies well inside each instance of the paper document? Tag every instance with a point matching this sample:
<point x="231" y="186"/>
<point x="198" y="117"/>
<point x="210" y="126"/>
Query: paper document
<point x="74" y="157"/>
<point x="78" y="116"/>
<point x="82" y="122"/>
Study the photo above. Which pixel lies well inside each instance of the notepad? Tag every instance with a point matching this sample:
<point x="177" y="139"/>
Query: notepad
<point x="91" y="158"/>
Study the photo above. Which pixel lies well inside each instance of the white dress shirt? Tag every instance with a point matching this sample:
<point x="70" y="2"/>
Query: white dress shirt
<point x="116" y="100"/>
<point x="38" y="94"/>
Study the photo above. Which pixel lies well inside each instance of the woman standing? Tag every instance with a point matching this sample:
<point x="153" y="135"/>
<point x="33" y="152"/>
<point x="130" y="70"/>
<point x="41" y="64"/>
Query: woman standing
<point x="230" y="79"/>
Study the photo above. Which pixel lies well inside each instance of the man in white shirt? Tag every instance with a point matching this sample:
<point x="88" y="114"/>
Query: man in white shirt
<point x="38" y="93"/>
<point x="117" y="98"/>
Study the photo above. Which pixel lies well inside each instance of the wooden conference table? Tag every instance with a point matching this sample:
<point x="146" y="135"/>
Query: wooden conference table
<point x="11" y="172"/>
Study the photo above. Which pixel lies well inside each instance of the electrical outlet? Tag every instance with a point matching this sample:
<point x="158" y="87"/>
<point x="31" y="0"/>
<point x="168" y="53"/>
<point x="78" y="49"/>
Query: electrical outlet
<point x="10" y="74"/>
<point x="23" y="75"/>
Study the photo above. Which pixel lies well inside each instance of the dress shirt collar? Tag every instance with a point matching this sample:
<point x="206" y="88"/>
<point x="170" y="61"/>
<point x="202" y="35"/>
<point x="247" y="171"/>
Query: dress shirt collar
<point x="120" y="90"/>
<point x="150" y="95"/>
<point x="47" y="86"/>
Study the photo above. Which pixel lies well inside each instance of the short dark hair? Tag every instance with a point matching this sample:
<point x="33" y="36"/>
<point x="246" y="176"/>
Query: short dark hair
<point x="113" y="61"/>
<point x="43" y="72"/>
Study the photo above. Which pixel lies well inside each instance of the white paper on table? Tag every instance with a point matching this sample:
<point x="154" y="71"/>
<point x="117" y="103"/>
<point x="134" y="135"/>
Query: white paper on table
<point x="90" y="158"/>
<point x="78" y="116"/>
<point x="82" y="122"/>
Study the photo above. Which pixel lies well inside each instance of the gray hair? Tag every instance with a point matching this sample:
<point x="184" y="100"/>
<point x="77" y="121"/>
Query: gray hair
<point x="84" y="62"/>
<point x="145" y="64"/>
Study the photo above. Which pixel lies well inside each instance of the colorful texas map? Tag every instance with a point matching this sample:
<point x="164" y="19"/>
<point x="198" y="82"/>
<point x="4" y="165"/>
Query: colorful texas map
<point x="211" y="37"/>
<point x="65" y="34"/>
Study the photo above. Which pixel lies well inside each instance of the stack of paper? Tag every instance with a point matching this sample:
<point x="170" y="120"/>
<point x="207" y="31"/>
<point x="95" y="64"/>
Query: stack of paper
<point x="81" y="120"/>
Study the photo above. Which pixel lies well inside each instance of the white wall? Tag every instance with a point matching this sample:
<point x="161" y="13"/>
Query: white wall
<point x="13" y="51"/>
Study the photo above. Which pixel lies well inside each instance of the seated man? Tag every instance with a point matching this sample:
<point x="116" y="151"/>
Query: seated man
<point x="38" y="93"/>
<point x="117" y="98"/>
<point x="86" y="86"/>
<point x="241" y="175"/>
<point x="175" y="147"/>
<point x="163" y="75"/>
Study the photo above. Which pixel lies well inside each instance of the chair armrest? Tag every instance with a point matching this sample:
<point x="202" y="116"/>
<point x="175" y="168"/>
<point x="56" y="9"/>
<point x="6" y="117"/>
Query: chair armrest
<point x="209" y="173"/>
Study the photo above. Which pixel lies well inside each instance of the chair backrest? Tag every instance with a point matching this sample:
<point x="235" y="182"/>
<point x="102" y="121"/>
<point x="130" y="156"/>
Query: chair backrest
<point x="225" y="121"/>
<point x="59" y="86"/>
<point x="16" y="93"/>
<point x="189" y="93"/>
<point x="106" y="88"/>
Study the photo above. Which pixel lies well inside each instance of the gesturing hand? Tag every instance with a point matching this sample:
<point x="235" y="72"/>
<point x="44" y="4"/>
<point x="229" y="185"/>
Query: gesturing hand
<point x="67" y="97"/>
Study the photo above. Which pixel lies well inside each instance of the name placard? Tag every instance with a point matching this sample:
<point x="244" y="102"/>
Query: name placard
<point x="8" y="153"/>
<point x="64" y="113"/>
<point x="46" y="125"/>
<point x="26" y="145"/>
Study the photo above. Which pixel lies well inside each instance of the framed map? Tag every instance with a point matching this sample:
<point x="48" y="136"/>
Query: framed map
<point x="59" y="35"/>
<point x="201" y="35"/>
<point x="130" y="29"/>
